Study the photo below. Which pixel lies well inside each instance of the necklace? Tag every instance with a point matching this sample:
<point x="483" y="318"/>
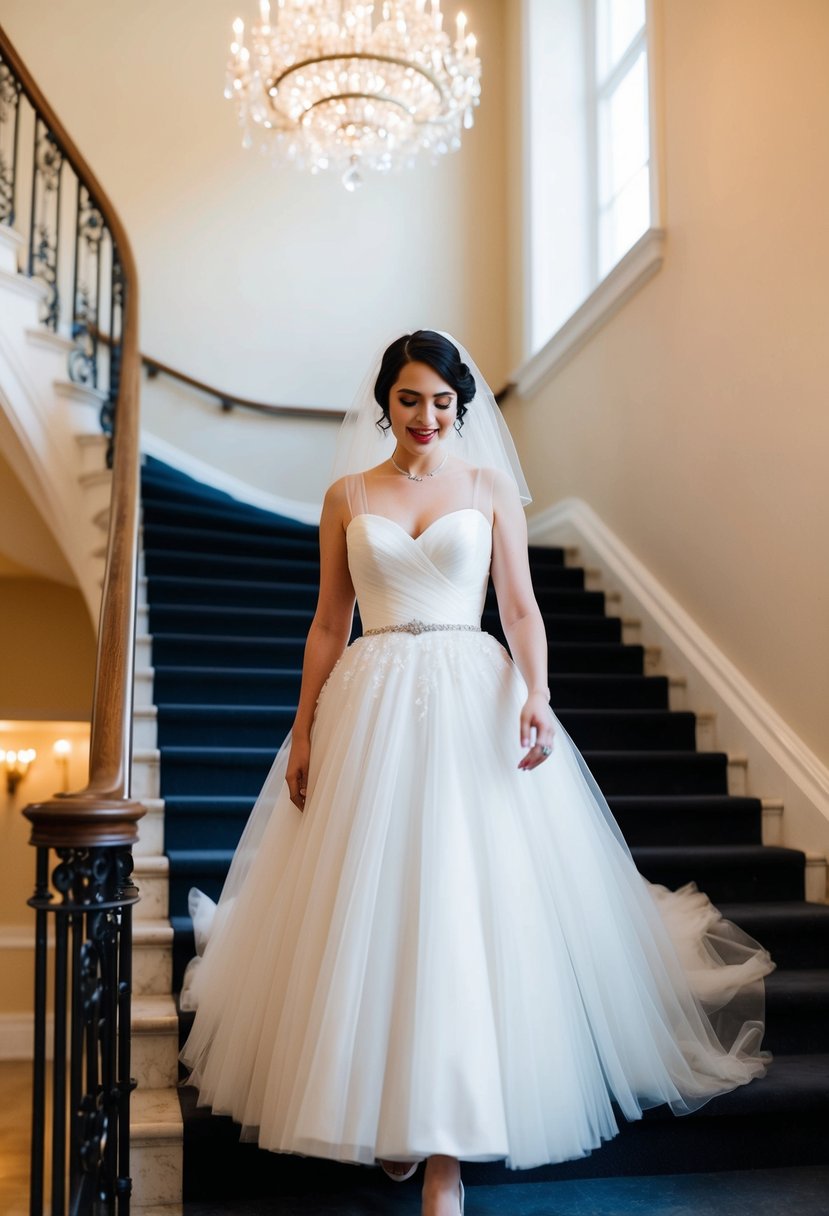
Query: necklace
<point x="413" y="476"/>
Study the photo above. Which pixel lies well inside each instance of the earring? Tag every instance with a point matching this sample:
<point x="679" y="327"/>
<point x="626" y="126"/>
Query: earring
<point x="458" y="424"/>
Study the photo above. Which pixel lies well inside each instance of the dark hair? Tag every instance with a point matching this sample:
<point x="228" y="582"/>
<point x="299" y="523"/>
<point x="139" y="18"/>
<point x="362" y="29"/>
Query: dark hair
<point x="424" y="346"/>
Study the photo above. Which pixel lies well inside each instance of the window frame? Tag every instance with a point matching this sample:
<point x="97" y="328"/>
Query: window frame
<point x="645" y="257"/>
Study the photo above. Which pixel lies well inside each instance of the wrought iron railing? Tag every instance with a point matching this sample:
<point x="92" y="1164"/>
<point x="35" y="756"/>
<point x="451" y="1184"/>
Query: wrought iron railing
<point x="83" y="889"/>
<point x="69" y="245"/>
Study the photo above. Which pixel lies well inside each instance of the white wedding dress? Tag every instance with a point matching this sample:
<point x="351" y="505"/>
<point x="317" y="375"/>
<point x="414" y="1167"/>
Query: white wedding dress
<point x="442" y="953"/>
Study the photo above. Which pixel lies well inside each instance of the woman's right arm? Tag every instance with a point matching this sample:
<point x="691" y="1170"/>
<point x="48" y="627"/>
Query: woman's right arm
<point x="328" y="635"/>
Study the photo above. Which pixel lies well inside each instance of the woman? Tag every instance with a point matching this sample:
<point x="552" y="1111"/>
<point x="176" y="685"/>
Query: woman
<point x="449" y="953"/>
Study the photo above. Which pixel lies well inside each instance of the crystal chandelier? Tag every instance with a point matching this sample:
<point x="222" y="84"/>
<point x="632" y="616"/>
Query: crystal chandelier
<point x="334" y="85"/>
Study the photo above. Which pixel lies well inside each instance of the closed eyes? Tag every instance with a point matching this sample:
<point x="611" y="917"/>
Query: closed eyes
<point x="441" y="405"/>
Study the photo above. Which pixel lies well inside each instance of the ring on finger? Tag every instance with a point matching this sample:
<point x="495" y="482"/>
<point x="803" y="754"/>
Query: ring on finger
<point x="545" y="751"/>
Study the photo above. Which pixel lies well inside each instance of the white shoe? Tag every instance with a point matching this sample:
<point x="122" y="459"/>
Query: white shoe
<point x="399" y="1177"/>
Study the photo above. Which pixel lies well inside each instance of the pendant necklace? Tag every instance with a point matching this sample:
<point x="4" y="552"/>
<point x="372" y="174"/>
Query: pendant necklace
<point x="413" y="476"/>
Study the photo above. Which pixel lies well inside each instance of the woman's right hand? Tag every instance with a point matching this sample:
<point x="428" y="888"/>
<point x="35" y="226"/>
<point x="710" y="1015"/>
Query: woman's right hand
<point x="297" y="772"/>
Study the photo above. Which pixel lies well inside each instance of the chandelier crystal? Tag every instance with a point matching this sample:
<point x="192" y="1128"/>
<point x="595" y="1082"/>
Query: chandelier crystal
<point x="332" y="85"/>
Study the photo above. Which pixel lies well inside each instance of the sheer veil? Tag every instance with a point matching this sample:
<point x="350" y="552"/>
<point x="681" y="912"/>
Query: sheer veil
<point x="484" y="439"/>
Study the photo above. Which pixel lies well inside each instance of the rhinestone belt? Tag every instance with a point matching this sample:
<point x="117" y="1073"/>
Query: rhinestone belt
<point x="416" y="627"/>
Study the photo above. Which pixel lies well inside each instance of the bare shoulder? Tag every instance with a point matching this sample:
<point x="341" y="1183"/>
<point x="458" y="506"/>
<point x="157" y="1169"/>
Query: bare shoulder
<point x="337" y="492"/>
<point x="335" y="504"/>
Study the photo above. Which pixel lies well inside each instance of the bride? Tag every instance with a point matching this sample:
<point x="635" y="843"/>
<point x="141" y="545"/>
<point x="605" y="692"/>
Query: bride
<point x="433" y="942"/>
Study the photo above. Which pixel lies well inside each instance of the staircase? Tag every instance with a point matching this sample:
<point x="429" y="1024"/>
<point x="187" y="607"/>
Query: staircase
<point x="228" y="595"/>
<point x="49" y="425"/>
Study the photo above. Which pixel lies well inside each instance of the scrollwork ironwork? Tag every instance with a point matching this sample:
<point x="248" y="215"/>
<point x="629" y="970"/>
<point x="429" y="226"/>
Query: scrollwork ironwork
<point x="90" y="231"/>
<point x="44" y="236"/>
<point x="9" y="114"/>
<point x="97" y="287"/>
<point x="95" y="893"/>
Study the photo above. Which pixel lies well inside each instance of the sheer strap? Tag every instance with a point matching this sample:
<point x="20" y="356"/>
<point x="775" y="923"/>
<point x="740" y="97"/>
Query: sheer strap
<point x="355" y="495"/>
<point x="482" y="491"/>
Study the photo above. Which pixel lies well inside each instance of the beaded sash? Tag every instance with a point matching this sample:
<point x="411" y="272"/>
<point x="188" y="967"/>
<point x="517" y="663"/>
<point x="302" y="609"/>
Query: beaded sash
<point x="415" y="627"/>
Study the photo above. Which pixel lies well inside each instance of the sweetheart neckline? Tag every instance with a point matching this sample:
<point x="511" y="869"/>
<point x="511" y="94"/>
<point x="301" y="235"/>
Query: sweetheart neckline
<point x="420" y="535"/>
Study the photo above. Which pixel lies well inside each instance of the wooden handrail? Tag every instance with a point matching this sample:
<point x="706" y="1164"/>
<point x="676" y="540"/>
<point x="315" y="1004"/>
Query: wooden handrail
<point x="103" y="813"/>
<point x="230" y="401"/>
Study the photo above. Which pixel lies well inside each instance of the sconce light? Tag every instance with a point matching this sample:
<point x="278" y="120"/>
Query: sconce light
<point x="16" y="765"/>
<point x="62" y="750"/>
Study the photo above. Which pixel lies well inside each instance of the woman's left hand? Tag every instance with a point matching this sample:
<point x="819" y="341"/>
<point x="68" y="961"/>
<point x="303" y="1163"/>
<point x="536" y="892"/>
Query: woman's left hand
<point x="536" y="713"/>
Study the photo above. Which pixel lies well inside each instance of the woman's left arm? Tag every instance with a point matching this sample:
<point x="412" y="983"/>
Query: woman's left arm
<point x="520" y="616"/>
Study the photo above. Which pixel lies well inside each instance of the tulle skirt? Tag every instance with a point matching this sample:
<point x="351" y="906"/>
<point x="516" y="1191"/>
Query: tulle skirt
<point x="444" y="954"/>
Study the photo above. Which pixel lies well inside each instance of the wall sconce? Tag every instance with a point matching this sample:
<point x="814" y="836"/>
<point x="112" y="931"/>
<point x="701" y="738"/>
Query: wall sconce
<point x="62" y="750"/>
<point x="16" y="764"/>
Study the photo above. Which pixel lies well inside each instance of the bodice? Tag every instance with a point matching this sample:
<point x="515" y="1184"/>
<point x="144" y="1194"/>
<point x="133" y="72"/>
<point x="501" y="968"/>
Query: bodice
<point x="439" y="576"/>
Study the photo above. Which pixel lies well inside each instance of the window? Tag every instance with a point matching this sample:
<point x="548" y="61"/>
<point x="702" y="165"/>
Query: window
<point x="588" y="150"/>
<point x="618" y="96"/>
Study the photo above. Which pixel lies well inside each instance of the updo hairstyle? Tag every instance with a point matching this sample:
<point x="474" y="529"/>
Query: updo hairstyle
<point x="424" y="346"/>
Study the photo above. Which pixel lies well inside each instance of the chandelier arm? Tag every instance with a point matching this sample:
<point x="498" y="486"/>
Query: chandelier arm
<point x="377" y="97"/>
<point x="362" y="55"/>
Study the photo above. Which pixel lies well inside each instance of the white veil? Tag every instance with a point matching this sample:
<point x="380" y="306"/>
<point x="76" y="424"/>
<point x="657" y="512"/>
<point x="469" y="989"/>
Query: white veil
<point x="484" y="439"/>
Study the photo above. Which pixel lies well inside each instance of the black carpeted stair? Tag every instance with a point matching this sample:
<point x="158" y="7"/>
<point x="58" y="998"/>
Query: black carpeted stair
<point x="231" y="592"/>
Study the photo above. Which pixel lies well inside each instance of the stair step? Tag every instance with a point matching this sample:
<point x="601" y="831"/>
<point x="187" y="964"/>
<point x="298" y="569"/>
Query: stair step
<point x="227" y="770"/>
<point x="220" y="819"/>
<point x="795" y="933"/>
<point x="258" y="686"/>
<point x="233" y="770"/>
<point x="224" y="725"/>
<point x="237" y="621"/>
<point x="652" y="729"/>
<point x="155" y="1038"/>
<point x="192" y="537"/>
<point x="274" y="567"/>
<point x="239" y="723"/>
<point x="271" y="566"/>
<point x="726" y="873"/>
<point x="687" y="819"/>
<point x="256" y="593"/>
<point x="152" y="956"/>
<point x="797" y="1011"/>
<point x="156" y="1148"/>
<point x="238" y="770"/>
<point x="223" y="685"/>
<point x="151" y="876"/>
<point x="648" y="821"/>
<point x="170" y="488"/>
<point x="218" y="650"/>
<point x="658" y="771"/>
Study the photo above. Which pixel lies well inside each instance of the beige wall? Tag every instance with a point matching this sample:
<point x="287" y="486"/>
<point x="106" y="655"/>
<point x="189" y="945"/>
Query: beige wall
<point x="26" y="545"/>
<point x="696" y="422"/>
<point x="269" y="283"/>
<point x="17" y="857"/>
<point x="48" y="650"/>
